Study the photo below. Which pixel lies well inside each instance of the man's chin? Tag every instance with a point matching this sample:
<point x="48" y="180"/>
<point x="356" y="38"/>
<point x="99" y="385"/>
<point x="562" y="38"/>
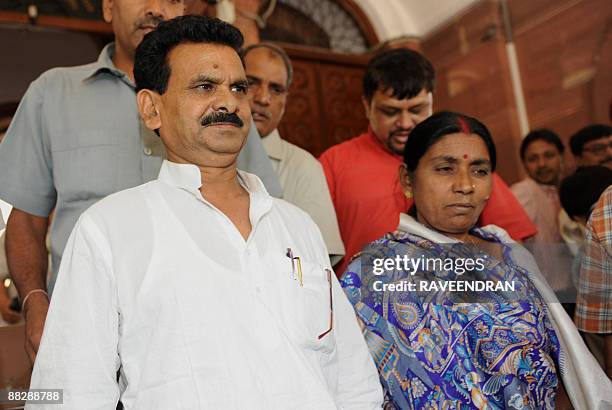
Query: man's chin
<point x="262" y="127"/>
<point x="545" y="181"/>
<point x="263" y="131"/>
<point x="397" y="149"/>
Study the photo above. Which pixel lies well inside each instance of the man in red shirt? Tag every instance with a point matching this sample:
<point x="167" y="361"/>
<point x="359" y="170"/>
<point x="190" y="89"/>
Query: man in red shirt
<point x="362" y="173"/>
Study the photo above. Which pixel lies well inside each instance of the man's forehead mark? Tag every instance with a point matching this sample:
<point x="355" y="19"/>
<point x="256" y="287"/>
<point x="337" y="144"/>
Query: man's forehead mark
<point x="215" y="65"/>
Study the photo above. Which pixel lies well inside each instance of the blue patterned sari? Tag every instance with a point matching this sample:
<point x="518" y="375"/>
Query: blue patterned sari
<point x="442" y="350"/>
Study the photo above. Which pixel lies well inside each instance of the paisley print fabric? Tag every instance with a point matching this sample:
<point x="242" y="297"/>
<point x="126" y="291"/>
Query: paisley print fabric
<point x="454" y="350"/>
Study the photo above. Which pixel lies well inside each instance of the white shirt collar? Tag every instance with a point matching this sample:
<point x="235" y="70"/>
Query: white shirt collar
<point x="408" y="224"/>
<point x="188" y="178"/>
<point x="183" y="176"/>
<point x="273" y="145"/>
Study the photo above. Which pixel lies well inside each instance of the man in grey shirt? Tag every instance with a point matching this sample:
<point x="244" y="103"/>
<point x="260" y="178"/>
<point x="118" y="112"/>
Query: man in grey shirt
<point x="76" y="138"/>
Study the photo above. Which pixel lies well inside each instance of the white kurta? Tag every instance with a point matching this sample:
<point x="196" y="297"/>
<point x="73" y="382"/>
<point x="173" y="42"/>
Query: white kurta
<point x="304" y="185"/>
<point x="158" y="281"/>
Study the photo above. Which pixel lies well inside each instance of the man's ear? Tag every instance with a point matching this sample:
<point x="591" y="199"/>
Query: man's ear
<point x="148" y="101"/>
<point x="405" y="180"/>
<point x="366" y="107"/>
<point x="107" y="10"/>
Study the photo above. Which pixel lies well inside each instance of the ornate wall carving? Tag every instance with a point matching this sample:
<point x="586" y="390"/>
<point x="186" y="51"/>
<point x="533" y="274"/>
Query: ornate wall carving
<point x="324" y="104"/>
<point x="342" y="29"/>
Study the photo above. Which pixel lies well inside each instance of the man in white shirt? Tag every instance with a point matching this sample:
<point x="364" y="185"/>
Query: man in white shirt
<point x="269" y="73"/>
<point x="542" y="155"/>
<point x="202" y="290"/>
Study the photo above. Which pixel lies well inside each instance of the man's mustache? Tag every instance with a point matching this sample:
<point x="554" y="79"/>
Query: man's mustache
<point x="263" y="113"/>
<point x="151" y="21"/>
<point x="540" y="171"/>
<point x="223" y="118"/>
<point x="401" y="132"/>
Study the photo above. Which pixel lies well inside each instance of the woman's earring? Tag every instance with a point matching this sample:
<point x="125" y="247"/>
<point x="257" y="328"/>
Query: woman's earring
<point x="408" y="193"/>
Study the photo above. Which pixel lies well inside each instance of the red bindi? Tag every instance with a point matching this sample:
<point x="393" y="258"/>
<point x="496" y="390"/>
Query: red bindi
<point x="465" y="156"/>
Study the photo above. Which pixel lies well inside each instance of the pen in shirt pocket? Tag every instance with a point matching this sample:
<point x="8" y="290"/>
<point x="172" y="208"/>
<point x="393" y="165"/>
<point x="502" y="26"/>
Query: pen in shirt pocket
<point x="295" y="260"/>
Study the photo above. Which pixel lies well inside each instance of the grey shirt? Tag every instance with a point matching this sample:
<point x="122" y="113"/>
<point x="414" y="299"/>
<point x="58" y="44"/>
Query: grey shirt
<point x="77" y="137"/>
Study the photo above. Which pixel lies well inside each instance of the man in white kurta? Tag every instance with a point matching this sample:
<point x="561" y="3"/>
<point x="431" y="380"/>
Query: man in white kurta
<point x="199" y="288"/>
<point x="156" y="280"/>
<point x="269" y="72"/>
<point x="303" y="181"/>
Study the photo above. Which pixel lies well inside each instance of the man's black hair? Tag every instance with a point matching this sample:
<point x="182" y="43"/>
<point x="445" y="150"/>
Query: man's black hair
<point x="579" y="191"/>
<point x="405" y="72"/>
<point x="586" y="135"/>
<point x="151" y="66"/>
<point x="542" y="134"/>
<point x="278" y="51"/>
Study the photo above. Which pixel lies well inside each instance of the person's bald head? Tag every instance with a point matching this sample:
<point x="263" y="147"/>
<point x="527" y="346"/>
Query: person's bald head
<point x="269" y="73"/>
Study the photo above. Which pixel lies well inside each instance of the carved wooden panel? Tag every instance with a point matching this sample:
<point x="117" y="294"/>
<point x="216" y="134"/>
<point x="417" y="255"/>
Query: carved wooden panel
<point x="324" y="103"/>
<point x="301" y="123"/>
<point x="343" y="111"/>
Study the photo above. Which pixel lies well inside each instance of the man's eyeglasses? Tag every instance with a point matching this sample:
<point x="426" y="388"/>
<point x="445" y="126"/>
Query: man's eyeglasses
<point x="297" y="274"/>
<point x="598" y="149"/>
<point x="331" y="306"/>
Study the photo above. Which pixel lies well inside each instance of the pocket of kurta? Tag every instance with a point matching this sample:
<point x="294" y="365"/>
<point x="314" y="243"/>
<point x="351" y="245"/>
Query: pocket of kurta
<point x="313" y="308"/>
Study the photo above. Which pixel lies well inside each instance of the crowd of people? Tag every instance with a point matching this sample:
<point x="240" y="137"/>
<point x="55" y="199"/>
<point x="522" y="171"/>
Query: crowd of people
<point x="199" y="260"/>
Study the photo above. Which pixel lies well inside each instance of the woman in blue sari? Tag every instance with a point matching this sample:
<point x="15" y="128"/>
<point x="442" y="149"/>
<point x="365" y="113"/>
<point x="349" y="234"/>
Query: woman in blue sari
<point x="450" y="334"/>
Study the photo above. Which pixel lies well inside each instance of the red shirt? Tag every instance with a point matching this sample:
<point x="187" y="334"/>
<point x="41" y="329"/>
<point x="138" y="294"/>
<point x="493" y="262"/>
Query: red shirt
<point x="364" y="184"/>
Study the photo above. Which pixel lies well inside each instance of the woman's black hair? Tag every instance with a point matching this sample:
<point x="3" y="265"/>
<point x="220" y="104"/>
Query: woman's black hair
<point x="430" y="131"/>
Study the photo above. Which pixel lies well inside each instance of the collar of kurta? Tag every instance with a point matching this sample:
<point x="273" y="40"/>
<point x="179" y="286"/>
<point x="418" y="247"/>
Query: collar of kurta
<point x="105" y="65"/>
<point x="273" y="145"/>
<point x="187" y="177"/>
